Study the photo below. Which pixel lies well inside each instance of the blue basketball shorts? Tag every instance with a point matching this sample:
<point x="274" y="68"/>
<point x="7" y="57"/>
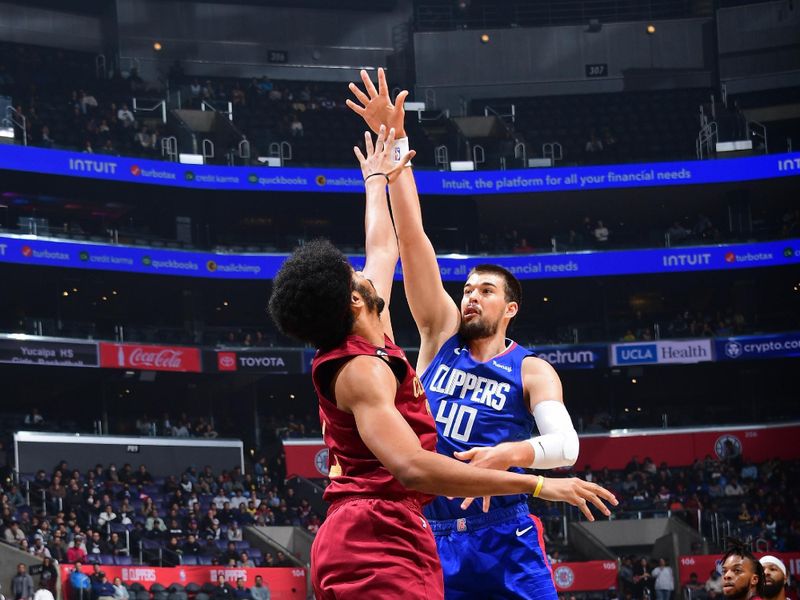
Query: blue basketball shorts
<point x="499" y="555"/>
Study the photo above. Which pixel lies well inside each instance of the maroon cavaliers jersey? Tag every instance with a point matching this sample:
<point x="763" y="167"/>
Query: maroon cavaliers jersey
<point x="354" y="469"/>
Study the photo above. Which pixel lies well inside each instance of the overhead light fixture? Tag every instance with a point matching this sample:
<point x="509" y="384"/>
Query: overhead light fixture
<point x="651" y="29"/>
<point x="485" y="38"/>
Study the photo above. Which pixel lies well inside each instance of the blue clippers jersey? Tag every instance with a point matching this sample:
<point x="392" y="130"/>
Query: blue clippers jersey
<point x="476" y="404"/>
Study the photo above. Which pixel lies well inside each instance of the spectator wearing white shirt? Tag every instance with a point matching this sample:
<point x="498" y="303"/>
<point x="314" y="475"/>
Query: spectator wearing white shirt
<point x="234" y="533"/>
<point x="734" y="488"/>
<point x="664" y="580"/>
<point x="107" y="516"/>
<point x="125" y="116"/>
<point x="601" y="233"/>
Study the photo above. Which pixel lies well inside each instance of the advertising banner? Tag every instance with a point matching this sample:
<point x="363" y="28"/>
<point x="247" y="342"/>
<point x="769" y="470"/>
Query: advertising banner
<point x="679" y="447"/>
<point x="593" y="575"/>
<point x="278" y="362"/>
<point x="283" y="583"/>
<point x="284" y="179"/>
<point x="781" y="345"/>
<point x="22" y="350"/>
<point x="181" y="359"/>
<point x="704" y="564"/>
<point x="591" y="356"/>
<point x="661" y="352"/>
<point x="34" y="251"/>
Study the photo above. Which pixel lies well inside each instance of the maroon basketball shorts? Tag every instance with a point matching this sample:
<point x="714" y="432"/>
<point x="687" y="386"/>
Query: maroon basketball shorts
<point x="375" y="548"/>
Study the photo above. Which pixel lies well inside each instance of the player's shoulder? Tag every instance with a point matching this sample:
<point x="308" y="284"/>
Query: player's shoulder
<point x="533" y="365"/>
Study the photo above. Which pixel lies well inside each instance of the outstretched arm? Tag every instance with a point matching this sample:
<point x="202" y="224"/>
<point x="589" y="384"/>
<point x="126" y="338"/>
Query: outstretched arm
<point x="434" y="311"/>
<point x="557" y="444"/>
<point x="366" y="386"/>
<point x="378" y="169"/>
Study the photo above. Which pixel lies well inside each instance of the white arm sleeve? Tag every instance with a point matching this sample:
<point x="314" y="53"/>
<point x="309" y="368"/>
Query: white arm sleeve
<point x="558" y="444"/>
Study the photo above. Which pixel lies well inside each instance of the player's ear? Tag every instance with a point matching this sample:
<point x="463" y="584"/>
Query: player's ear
<point x="512" y="308"/>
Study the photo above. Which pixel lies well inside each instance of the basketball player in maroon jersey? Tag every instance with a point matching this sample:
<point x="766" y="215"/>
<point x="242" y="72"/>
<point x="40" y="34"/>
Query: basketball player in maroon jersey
<point x="381" y="438"/>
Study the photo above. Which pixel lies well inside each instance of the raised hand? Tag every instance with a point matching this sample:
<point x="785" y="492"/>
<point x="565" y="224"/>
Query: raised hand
<point x="578" y="493"/>
<point x="379" y="156"/>
<point x="376" y="108"/>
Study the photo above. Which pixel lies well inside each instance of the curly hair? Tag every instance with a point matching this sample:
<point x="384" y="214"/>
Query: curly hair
<point x="310" y="297"/>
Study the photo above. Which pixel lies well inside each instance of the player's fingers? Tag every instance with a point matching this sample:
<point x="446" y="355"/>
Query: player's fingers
<point x="487" y="501"/>
<point x="465" y="504"/>
<point x="379" y="141"/>
<point x="466" y="454"/>
<point x="392" y="176"/>
<point x="390" y="137"/>
<point x="584" y="508"/>
<point x="361" y="96"/>
<point x="383" y="87"/>
<point x="599" y="504"/>
<point x="359" y="110"/>
<point x="368" y="85"/>
<point x="401" y="99"/>
<point x="359" y="155"/>
<point x="368" y="142"/>
<point x="606" y="495"/>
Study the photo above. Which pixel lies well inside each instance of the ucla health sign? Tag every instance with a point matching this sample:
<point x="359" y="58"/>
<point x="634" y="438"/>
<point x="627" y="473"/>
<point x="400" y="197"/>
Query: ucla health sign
<point x="782" y="345"/>
<point x="662" y="352"/>
<point x="135" y="170"/>
<point x="37" y="251"/>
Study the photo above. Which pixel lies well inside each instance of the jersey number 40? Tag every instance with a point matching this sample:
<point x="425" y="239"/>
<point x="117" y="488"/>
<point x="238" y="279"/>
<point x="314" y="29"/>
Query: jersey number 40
<point x="457" y="420"/>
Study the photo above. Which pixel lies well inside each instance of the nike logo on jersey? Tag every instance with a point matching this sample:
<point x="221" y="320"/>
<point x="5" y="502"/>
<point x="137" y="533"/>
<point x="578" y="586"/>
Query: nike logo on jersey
<point x="524" y="531"/>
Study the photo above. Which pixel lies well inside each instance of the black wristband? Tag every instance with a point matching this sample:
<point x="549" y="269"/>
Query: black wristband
<point x="376" y="175"/>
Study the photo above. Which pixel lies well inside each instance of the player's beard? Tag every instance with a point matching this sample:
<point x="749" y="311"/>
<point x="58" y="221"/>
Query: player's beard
<point x="772" y="588"/>
<point x="373" y="302"/>
<point x="737" y="594"/>
<point x="478" y="328"/>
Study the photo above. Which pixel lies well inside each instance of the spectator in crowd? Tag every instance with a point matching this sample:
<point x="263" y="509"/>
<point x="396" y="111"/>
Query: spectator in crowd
<point x="664" y="581"/>
<point x="120" y="591"/>
<point x="593" y="145"/>
<point x="76" y="554"/>
<point x="259" y="591"/>
<point x="116" y="545"/>
<point x="79" y="583"/>
<point x="34" y="417"/>
<point x="223" y="590"/>
<point x="241" y="592"/>
<point x="125" y="116"/>
<point x="22" y="584"/>
<point x="234" y="534"/>
<point x="245" y="561"/>
<point x="695" y="586"/>
<point x="601" y="233"/>
<point x="103" y="589"/>
<point x="107" y="516"/>
<point x="641" y="578"/>
<point x="49" y="575"/>
<point x="13" y="534"/>
<point x="296" y="126"/>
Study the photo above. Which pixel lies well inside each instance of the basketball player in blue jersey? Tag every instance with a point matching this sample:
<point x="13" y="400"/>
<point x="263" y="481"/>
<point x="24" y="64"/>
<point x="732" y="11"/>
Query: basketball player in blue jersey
<point x="485" y="392"/>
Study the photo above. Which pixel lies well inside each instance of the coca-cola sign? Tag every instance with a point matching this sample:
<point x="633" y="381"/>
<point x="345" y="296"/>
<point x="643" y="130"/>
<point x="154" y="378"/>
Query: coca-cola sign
<point x="150" y="358"/>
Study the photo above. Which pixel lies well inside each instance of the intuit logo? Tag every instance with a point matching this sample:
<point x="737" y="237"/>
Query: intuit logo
<point x="687" y="260"/>
<point x="789" y="164"/>
<point x="85" y="165"/>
